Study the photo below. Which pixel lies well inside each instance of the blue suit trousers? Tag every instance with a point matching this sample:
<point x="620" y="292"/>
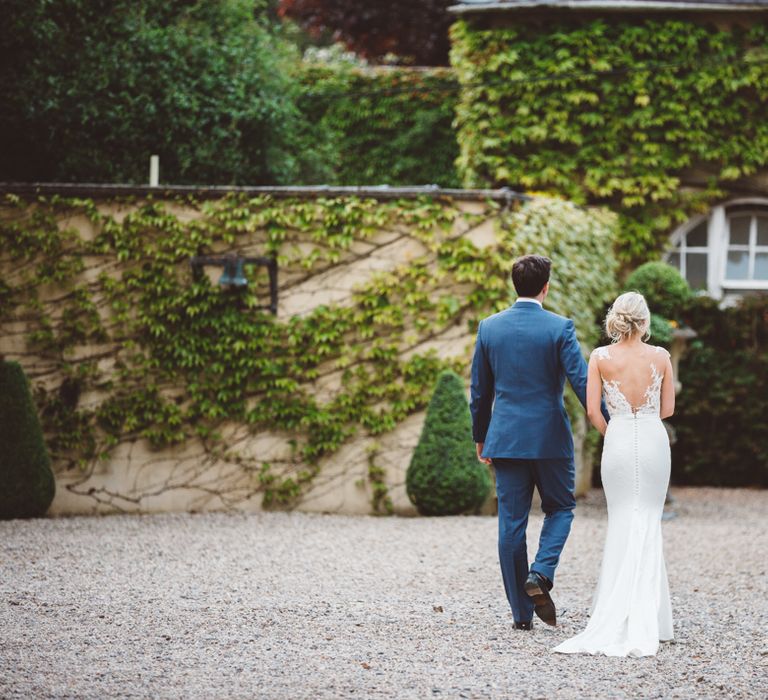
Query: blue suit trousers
<point x="515" y="479"/>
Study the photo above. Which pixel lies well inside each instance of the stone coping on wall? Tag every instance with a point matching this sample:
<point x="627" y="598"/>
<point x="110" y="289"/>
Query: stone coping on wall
<point x="382" y="192"/>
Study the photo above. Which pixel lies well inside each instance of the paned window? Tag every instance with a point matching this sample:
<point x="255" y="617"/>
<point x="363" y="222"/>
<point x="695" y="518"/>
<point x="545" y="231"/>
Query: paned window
<point x="691" y="256"/>
<point x="747" y="257"/>
<point x="726" y="252"/>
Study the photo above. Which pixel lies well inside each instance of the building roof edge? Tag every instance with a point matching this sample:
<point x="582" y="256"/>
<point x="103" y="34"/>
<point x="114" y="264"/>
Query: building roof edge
<point x="618" y="5"/>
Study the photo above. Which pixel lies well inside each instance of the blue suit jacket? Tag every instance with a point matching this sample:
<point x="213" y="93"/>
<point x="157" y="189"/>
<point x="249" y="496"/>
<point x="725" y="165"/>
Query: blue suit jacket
<point x="522" y="357"/>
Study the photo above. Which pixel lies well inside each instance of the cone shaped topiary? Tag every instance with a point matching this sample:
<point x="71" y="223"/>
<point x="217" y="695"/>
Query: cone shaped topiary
<point x="445" y="477"/>
<point x="27" y="485"/>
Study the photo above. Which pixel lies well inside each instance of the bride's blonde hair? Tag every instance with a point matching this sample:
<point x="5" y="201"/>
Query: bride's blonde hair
<point x="628" y="316"/>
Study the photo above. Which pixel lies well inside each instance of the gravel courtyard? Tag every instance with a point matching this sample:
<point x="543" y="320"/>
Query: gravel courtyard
<point x="290" y="605"/>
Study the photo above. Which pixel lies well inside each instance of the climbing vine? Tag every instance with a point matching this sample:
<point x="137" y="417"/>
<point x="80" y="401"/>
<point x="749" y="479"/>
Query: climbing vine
<point x="550" y="106"/>
<point x="166" y="356"/>
<point x="381" y="502"/>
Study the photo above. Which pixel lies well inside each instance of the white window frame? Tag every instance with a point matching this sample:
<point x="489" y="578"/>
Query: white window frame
<point x="717" y="247"/>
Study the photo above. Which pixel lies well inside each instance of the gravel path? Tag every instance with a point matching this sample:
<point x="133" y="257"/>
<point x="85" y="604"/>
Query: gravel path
<point x="289" y="605"/>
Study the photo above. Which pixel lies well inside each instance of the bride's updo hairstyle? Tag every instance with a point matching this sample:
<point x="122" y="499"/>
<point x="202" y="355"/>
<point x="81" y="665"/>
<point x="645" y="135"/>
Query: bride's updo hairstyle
<point x="629" y="316"/>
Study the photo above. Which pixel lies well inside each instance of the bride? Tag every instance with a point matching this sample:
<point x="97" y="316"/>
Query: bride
<point x="631" y="610"/>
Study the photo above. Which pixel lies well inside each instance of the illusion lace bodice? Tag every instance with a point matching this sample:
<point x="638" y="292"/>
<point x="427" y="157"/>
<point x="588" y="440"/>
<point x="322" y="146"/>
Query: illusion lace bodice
<point x="615" y="399"/>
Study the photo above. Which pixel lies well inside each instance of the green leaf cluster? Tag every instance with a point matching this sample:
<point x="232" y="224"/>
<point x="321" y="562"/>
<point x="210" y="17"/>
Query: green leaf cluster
<point x="567" y="107"/>
<point x="165" y="357"/>
<point x="444" y="476"/>
<point x="381" y="501"/>
<point x="389" y="126"/>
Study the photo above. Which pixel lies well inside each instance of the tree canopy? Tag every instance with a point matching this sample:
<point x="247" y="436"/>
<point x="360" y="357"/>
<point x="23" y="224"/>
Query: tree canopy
<point x="415" y="31"/>
<point x="91" y="88"/>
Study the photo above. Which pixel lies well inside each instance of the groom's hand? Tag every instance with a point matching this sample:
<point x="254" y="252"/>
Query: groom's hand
<point x="479" y="448"/>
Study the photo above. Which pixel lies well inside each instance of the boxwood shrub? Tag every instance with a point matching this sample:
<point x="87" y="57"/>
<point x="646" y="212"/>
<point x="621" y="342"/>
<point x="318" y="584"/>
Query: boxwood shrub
<point x="445" y="476"/>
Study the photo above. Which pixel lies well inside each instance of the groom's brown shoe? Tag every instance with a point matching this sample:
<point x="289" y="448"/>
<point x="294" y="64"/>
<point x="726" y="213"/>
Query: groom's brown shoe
<point x="537" y="589"/>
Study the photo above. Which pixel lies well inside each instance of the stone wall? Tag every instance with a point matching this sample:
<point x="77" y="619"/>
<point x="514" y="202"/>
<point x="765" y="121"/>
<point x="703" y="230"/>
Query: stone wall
<point x="135" y="477"/>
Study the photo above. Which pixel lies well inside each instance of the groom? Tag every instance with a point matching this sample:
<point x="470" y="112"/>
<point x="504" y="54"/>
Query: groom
<point x="519" y="423"/>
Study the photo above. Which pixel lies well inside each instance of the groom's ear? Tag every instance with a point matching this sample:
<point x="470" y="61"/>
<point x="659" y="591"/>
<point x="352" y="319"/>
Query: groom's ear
<point x="545" y="289"/>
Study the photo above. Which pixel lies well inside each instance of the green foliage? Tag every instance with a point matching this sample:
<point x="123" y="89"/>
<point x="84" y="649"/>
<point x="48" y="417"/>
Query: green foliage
<point x="565" y="107"/>
<point x="91" y="89"/>
<point x="720" y="413"/>
<point x="218" y="94"/>
<point x="581" y="248"/>
<point x="661" y="331"/>
<point x="667" y="294"/>
<point x="26" y="481"/>
<point x="445" y="476"/>
<point x="185" y="357"/>
<point x="381" y="502"/>
<point x="663" y="287"/>
<point x="384" y="126"/>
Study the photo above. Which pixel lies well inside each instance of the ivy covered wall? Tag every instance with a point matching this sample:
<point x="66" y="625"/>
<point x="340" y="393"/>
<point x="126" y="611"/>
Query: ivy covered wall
<point x="655" y="118"/>
<point x="159" y="391"/>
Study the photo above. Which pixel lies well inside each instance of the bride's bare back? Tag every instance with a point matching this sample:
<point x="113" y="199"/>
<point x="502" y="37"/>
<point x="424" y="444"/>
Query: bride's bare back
<point x="635" y="376"/>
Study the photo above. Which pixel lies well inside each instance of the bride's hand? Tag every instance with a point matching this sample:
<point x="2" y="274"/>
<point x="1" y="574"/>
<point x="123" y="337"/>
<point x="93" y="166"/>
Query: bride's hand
<point x="479" y="449"/>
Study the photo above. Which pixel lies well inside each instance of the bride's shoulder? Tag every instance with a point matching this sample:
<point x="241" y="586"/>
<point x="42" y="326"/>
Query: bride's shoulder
<point x="658" y="350"/>
<point x="602" y="353"/>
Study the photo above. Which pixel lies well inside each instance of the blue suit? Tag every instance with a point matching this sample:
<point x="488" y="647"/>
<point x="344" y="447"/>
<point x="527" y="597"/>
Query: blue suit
<point x="522" y="358"/>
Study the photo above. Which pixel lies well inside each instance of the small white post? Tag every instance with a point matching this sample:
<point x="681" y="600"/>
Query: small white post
<point x="154" y="171"/>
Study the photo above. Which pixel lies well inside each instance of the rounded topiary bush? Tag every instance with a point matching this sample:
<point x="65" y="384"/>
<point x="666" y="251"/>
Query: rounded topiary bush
<point x="663" y="287"/>
<point x="661" y="331"/>
<point x="27" y="485"/>
<point x="445" y="476"/>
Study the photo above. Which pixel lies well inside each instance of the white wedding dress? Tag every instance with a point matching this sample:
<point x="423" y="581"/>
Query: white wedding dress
<point x="631" y="610"/>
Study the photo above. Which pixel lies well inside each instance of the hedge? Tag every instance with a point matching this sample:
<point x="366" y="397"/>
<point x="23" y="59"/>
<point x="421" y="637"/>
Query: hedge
<point x="372" y="127"/>
<point x="720" y="417"/>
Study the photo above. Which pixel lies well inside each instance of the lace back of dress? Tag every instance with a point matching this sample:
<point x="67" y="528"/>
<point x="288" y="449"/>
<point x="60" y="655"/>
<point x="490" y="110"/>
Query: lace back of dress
<point x="617" y="402"/>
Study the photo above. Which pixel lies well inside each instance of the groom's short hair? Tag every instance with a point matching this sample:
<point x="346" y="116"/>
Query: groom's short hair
<point x="530" y="273"/>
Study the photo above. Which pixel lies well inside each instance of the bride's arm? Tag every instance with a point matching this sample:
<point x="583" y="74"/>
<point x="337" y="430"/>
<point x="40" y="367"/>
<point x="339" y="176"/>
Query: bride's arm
<point x="594" y="396"/>
<point x="667" y="407"/>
